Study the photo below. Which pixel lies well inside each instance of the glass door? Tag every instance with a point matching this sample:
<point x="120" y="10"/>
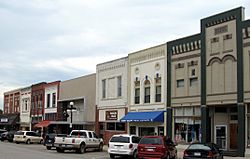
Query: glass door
<point x="221" y="136"/>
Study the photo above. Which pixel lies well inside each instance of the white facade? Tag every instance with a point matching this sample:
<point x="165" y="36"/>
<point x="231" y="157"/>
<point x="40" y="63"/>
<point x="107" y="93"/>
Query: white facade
<point x="25" y="104"/>
<point x="111" y="97"/>
<point x="51" y="94"/>
<point x="147" y="72"/>
<point x="110" y="72"/>
<point x="148" y="64"/>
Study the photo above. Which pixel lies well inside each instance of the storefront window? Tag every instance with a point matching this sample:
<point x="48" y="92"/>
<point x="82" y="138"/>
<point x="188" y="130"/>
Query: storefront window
<point x="110" y="126"/>
<point x="132" y="130"/>
<point x="187" y="132"/>
<point x="161" y="130"/>
<point x="116" y="126"/>
<point x="143" y="131"/>
<point x="120" y="126"/>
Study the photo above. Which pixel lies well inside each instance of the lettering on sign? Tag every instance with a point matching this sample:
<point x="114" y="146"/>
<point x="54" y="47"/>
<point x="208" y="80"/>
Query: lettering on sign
<point x="4" y="120"/>
<point x="111" y="115"/>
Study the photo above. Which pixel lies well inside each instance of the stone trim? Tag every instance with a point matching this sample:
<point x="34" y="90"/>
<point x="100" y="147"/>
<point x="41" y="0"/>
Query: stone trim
<point x="185" y="57"/>
<point x="113" y="67"/>
<point x="148" y="55"/>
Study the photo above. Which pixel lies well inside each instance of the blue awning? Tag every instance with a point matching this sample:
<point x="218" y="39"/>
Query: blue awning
<point x="156" y="116"/>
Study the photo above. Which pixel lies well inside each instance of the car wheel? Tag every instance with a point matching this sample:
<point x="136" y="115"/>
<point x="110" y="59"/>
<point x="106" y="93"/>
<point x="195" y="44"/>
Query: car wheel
<point x="112" y="156"/>
<point x="41" y="141"/>
<point x="17" y="142"/>
<point x="28" y="141"/>
<point x="100" y="147"/>
<point x="135" y="155"/>
<point x="48" y="147"/>
<point x="81" y="149"/>
<point x="59" y="150"/>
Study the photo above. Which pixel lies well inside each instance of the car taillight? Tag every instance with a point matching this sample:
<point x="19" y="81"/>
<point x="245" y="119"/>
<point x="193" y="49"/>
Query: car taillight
<point x="210" y="154"/>
<point x="130" y="146"/>
<point x="185" y="154"/>
<point x="24" y="136"/>
<point x="73" y="141"/>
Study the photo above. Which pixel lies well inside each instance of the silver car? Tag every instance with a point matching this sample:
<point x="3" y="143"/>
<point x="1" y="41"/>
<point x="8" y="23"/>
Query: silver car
<point x="123" y="145"/>
<point x="27" y="137"/>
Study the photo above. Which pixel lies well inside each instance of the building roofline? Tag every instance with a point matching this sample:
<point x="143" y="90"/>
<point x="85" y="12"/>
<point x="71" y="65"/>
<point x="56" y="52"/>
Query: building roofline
<point x="112" y="61"/>
<point x="92" y="74"/>
<point x="146" y="49"/>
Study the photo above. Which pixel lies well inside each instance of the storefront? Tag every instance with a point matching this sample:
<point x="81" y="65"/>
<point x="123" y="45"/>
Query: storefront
<point x="145" y="123"/>
<point x="109" y="123"/>
<point x="187" y="124"/>
<point x="10" y="121"/>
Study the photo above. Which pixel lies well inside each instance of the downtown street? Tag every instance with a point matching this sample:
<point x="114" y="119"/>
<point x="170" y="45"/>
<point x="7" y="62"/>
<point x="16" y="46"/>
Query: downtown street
<point x="38" y="151"/>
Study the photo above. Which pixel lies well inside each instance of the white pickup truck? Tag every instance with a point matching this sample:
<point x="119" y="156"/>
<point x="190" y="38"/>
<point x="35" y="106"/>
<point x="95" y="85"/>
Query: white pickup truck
<point x="79" y="140"/>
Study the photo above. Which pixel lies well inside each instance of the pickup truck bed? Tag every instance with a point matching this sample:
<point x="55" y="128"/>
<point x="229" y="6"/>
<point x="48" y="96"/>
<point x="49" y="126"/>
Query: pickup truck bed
<point x="79" y="140"/>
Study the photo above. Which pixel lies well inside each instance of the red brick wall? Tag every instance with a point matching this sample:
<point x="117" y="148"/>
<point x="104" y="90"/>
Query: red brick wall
<point x="97" y="128"/>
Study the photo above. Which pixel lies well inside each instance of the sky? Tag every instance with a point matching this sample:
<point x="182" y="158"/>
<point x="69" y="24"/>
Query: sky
<point x="50" y="40"/>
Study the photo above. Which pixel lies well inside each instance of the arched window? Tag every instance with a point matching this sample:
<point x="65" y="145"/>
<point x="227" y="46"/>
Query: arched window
<point x="137" y="92"/>
<point x="158" y="89"/>
<point x="147" y="91"/>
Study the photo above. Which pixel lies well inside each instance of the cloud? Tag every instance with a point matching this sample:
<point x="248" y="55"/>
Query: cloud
<point x="45" y="40"/>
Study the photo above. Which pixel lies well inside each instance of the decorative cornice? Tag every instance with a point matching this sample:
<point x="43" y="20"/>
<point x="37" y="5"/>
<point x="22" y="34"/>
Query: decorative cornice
<point x="185" y="57"/>
<point x="148" y="55"/>
<point x="112" y="67"/>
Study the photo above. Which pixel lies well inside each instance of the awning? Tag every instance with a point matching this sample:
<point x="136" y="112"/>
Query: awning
<point x="154" y="116"/>
<point x="42" y="124"/>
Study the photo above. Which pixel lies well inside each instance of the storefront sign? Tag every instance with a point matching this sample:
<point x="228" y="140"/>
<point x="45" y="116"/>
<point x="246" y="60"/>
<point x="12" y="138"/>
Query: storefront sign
<point x="4" y="120"/>
<point x="111" y="115"/>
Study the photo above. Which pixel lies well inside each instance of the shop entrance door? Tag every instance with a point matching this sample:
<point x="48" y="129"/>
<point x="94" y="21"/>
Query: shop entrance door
<point x="221" y="136"/>
<point x="233" y="136"/>
<point x="143" y="131"/>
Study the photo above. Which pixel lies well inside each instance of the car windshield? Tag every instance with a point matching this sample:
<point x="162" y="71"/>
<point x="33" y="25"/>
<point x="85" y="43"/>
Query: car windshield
<point x="199" y="146"/>
<point x="19" y="133"/>
<point x="151" y="141"/>
<point x="120" y="139"/>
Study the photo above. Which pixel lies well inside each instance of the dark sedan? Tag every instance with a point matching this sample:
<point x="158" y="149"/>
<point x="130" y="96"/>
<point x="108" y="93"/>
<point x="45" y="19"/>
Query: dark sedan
<point x="50" y="139"/>
<point x="8" y="135"/>
<point x="202" y="151"/>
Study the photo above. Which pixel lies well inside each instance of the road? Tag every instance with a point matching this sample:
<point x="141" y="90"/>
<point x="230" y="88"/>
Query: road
<point x="36" y="151"/>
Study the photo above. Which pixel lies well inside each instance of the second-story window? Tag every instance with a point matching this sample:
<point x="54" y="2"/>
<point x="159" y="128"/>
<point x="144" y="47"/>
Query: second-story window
<point x="147" y="91"/>
<point x="137" y="92"/>
<point x="119" y="86"/>
<point x="48" y="100"/>
<point x="26" y="105"/>
<point x="104" y="88"/>
<point x="54" y="100"/>
<point x="180" y="83"/>
<point x="158" y="89"/>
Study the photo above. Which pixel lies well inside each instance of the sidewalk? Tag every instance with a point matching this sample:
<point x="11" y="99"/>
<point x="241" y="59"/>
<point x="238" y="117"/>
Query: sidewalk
<point x="180" y="151"/>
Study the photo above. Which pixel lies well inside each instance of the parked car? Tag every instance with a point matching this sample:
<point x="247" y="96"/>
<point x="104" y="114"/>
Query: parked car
<point x="2" y="131"/>
<point x="203" y="151"/>
<point x="27" y="137"/>
<point x="49" y="140"/>
<point x="154" y="147"/>
<point x="123" y="145"/>
<point x="3" y="136"/>
<point x="79" y="140"/>
<point x="7" y="136"/>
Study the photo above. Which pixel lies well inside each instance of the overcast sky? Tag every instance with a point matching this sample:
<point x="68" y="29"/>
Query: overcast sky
<point x="48" y="40"/>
